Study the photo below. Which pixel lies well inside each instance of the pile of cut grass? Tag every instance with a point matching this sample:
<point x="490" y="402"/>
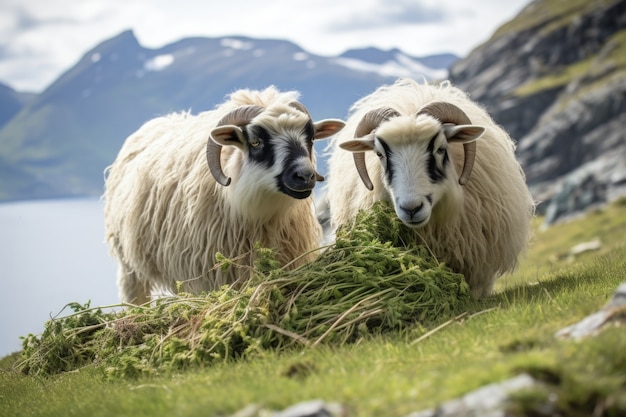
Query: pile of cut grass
<point x="372" y="280"/>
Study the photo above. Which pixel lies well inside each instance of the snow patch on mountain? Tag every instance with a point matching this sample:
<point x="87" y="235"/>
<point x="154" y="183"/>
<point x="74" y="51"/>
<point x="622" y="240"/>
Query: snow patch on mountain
<point x="236" y="44"/>
<point x="400" y="66"/>
<point x="159" y="62"/>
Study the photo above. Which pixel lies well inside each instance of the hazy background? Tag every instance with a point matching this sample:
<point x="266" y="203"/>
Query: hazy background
<point x="51" y="253"/>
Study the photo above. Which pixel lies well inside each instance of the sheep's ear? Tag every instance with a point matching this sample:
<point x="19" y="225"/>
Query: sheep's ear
<point x="228" y="135"/>
<point x="358" y="145"/>
<point x="327" y="127"/>
<point x="462" y="133"/>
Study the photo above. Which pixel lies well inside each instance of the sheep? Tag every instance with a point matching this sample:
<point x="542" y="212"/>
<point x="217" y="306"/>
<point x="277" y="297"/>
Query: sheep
<point x="408" y="136"/>
<point x="168" y="214"/>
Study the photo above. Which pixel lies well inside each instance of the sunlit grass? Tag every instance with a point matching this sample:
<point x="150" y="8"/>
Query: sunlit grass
<point x="549" y="251"/>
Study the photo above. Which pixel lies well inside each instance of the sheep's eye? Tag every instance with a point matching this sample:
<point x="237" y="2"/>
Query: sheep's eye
<point x="255" y="143"/>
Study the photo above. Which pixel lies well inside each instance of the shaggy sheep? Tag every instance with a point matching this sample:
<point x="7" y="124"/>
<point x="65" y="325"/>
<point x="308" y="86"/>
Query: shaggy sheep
<point x="408" y="136"/>
<point x="167" y="214"/>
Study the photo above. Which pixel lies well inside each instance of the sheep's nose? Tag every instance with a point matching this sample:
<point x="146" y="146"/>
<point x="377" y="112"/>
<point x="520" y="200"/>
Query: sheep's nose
<point x="300" y="178"/>
<point x="413" y="210"/>
<point x="304" y="175"/>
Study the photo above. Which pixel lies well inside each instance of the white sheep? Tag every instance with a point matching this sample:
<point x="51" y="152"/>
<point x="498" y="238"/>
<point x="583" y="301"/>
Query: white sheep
<point x="167" y="214"/>
<point x="408" y="136"/>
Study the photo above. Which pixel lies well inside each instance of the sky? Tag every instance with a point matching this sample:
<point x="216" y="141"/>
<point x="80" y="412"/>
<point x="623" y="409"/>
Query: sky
<point x="41" y="39"/>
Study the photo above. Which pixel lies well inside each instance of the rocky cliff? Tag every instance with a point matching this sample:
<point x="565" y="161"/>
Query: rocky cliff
<point x="555" y="78"/>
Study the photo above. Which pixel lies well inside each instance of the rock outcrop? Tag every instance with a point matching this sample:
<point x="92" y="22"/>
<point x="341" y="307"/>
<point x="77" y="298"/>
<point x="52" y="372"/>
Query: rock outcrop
<point x="555" y="78"/>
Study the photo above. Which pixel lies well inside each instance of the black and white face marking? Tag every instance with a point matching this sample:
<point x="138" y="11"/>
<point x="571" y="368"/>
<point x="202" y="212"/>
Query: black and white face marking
<point x="273" y="161"/>
<point x="260" y="148"/>
<point x="384" y="152"/>
<point x="288" y="155"/>
<point x="415" y="173"/>
<point x="438" y="159"/>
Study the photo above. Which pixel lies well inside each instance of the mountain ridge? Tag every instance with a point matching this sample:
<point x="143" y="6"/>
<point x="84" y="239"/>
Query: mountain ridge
<point x="59" y="144"/>
<point x="554" y="77"/>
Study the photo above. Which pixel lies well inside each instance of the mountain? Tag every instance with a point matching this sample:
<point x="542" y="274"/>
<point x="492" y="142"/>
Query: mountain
<point x="378" y="56"/>
<point x="11" y="102"/>
<point x="396" y="63"/>
<point x="59" y="144"/>
<point x="555" y="78"/>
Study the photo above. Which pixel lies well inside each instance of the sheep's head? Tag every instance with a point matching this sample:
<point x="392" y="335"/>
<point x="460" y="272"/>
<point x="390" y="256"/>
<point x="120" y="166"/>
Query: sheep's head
<point x="413" y="152"/>
<point x="277" y="140"/>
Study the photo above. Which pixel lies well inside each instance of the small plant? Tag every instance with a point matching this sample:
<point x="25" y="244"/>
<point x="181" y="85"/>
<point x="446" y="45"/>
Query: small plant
<point x="371" y="281"/>
<point x="65" y="343"/>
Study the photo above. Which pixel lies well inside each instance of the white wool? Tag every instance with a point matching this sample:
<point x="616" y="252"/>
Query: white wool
<point x="166" y="217"/>
<point x="478" y="229"/>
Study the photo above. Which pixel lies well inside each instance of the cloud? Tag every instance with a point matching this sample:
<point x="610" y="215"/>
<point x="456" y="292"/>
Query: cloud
<point x="385" y="13"/>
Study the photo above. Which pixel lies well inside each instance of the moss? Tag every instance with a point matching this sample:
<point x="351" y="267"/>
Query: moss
<point x="579" y="378"/>
<point x="373" y="280"/>
<point x="557" y="79"/>
<point x="549" y="15"/>
<point x="597" y="70"/>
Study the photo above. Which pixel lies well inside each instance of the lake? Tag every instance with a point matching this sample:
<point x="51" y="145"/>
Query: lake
<point x="52" y="252"/>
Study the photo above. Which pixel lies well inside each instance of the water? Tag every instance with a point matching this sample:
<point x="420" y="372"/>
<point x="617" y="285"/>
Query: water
<point x="52" y="252"/>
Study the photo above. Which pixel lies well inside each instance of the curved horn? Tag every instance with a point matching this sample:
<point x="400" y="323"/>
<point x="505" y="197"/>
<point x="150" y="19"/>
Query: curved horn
<point x="449" y="113"/>
<point x="240" y="116"/>
<point x="299" y="106"/>
<point x="368" y="123"/>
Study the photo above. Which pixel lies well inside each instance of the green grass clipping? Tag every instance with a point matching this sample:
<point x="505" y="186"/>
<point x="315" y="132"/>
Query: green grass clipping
<point x="374" y="279"/>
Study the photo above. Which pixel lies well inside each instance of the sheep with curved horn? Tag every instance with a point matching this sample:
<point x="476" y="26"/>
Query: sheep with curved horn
<point x="469" y="204"/>
<point x="184" y="188"/>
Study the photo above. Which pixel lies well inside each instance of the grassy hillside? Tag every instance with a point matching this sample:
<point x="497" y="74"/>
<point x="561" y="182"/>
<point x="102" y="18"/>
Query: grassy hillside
<point x="400" y="372"/>
<point x="550" y="249"/>
<point x="556" y="13"/>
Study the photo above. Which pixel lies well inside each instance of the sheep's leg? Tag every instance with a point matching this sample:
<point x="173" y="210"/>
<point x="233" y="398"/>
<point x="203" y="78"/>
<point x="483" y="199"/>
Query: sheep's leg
<point x="132" y="290"/>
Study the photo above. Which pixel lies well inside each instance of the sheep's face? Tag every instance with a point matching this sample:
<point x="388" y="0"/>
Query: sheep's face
<point x="416" y="167"/>
<point x="284" y="155"/>
<point x="278" y="151"/>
